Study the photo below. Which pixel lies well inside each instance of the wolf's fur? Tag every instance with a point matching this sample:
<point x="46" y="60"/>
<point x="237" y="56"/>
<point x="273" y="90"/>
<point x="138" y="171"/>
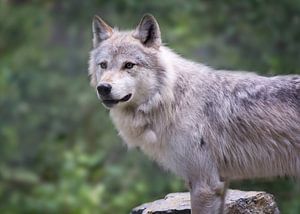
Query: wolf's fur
<point x="205" y="125"/>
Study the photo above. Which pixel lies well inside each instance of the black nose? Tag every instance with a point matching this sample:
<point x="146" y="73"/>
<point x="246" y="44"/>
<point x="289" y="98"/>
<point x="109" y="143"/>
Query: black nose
<point x="104" y="89"/>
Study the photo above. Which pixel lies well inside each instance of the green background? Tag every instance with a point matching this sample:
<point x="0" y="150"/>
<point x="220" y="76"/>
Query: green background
<point x="59" y="152"/>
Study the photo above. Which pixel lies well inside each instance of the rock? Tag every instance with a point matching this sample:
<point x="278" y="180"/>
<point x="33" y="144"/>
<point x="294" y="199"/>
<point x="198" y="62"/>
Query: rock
<point x="237" y="202"/>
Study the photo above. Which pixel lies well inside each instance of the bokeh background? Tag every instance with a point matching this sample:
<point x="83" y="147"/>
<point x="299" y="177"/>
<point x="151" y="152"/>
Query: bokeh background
<point x="59" y="152"/>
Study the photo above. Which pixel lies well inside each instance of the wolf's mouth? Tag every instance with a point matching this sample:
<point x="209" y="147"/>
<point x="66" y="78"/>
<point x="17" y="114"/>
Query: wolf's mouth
<point x="110" y="102"/>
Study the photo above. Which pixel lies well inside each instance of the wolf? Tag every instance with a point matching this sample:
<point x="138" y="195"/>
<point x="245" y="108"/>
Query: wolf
<point x="207" y="126"/>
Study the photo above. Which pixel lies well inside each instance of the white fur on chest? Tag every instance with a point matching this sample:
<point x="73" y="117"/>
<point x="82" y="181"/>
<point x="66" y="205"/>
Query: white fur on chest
<point x="137" y="131"/>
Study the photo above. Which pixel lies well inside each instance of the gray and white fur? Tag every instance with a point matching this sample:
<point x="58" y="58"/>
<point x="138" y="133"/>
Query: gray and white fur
<point x="208" y="126"/>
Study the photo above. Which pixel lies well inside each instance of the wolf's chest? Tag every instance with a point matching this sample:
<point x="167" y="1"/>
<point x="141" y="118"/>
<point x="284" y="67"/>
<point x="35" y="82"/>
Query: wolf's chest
<point x="135" y="130"/>
<point x="140" y="132"/>
<point x="138" y="136"/>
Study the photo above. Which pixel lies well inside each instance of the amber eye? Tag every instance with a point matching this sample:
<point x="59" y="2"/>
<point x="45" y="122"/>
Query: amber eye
<point x="103" y="65"/>
<point x="129" y="65"/>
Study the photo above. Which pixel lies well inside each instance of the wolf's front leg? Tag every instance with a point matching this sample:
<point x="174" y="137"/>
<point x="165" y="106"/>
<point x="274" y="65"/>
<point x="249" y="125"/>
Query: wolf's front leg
<point x="207" y="198"/>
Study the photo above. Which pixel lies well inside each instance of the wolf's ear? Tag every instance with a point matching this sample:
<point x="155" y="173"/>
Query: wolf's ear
<point x="101" y="31"/>
<point x="148" y="31"/>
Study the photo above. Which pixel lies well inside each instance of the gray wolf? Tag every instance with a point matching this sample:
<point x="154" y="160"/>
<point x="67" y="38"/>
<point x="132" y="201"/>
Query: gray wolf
<point x="207" y="126"/>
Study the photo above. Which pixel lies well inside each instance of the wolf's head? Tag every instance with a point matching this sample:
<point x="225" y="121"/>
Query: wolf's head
<point x="125" y="66"/>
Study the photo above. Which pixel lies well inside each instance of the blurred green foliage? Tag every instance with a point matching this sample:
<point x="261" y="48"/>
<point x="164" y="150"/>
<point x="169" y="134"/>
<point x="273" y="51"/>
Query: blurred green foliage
<point x="59" y="152"/>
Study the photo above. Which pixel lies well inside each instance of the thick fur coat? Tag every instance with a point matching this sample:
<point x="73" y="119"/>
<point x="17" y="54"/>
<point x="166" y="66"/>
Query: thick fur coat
<point x="207" y="126"/>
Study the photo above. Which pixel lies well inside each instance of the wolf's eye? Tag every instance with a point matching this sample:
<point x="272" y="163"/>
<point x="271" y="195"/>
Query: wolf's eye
<point x="129" y="65"/>
<point x="103" y="65"/>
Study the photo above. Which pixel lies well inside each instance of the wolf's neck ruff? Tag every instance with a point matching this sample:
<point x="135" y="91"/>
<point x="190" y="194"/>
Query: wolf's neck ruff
<point x="163" y="96"/>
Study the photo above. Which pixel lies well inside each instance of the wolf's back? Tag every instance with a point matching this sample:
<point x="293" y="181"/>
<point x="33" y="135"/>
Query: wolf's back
<point x="254" y="125"/>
